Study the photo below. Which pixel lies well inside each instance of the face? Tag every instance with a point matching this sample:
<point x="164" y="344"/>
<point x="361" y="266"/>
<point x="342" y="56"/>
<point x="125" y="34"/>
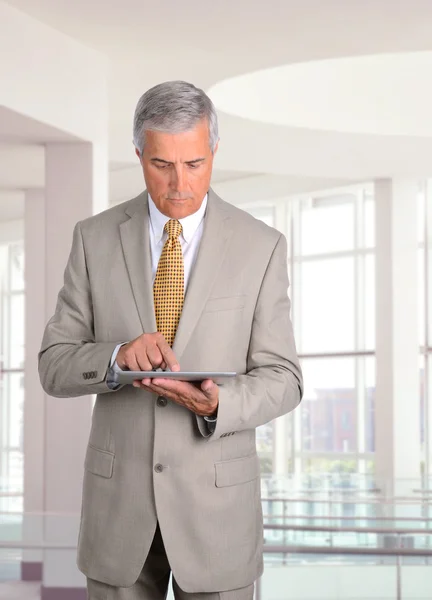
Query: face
<point x="177" y="169"/>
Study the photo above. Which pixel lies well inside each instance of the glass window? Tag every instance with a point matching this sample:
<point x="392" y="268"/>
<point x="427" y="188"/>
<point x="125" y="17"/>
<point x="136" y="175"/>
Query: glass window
<point x="17" y="332"/>
<point x="333" y="295"/>
<point x="16" y="254"/>
<point x="265" y="433"/>
<point x="369" y="401"/>
<point x="421" y="296"/>
<point x="422" y="420"/>
<point x="328" y="409"/>
<point x="327" y="225"/>
<point x="368" y="298"/>
<point x="369" y="222"/>
<point x="327" y="305"/>
<point x="264" y="442"/>
<point x="11" y="375"/>
<point x="15" y="421"/>
<point x="265" y="214"/>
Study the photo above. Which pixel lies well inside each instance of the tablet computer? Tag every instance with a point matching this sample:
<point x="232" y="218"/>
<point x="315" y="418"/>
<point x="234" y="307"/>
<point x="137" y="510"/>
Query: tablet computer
<point x="219" y="377"/>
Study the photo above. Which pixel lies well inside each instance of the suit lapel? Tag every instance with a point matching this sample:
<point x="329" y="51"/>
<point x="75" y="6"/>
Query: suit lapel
<point x="135" y="241"/>
<point x="211" y="253"/>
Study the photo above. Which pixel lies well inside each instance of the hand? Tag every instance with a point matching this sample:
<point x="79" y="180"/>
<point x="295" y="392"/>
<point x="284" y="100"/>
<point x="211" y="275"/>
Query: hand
<point x="147" y="352"/>
<point x="202" y="399"/>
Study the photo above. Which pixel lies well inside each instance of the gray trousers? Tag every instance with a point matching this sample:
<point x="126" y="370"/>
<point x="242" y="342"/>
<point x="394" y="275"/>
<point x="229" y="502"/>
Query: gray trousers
<point x="152" y="584"/>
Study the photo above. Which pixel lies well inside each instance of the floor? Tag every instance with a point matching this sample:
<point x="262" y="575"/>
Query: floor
<point x="19" y="590"/>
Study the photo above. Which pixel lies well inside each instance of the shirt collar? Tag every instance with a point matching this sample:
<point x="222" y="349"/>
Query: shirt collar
<point x="190" y="224"/>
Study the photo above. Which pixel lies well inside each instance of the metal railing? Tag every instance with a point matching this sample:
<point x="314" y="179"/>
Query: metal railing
<point x="398" y="552"/>
<point x="286" y="550"/>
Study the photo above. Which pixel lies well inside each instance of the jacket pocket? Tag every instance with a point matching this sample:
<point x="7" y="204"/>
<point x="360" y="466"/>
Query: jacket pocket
<point x="99" y="462"/>
<point x="239" y="470"/>
<point x="227" y="303"/>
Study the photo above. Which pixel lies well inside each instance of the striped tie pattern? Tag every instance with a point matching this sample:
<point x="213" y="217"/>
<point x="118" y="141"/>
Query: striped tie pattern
<point x="168" y="288"/>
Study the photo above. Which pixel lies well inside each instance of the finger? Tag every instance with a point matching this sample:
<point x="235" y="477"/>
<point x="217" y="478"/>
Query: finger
<point x="154" y="355"/>
<point x="143" y="361"/>
<point x="179" y="387"/>
<point x="170" y="388"/>
<point x="208" y="387"/>
<point x="131" y="361"/>
<point x="167" y="354"/>
<point x="138" y="383"/>
<point x="144" y="384"/>
<point x="161" y="392"/>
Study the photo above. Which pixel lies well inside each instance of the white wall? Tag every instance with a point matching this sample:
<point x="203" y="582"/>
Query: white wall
<point x="11" y="231"/>
<point x="50" y="77"/>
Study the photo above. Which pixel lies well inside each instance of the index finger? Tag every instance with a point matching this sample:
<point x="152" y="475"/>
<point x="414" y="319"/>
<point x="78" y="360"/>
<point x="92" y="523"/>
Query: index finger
<point x="168" y="355"/>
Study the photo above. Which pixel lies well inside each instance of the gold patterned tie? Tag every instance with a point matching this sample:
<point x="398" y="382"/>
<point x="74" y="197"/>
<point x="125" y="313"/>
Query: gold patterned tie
<point x="168" y="288"/>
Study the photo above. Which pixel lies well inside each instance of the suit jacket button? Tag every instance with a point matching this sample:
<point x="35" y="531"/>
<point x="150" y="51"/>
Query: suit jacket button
<point x="158" y="468"/>
<point x="161" y="401"/>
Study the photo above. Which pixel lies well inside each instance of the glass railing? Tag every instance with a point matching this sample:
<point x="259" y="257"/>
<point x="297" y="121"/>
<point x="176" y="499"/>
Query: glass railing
<point x="340" y="490"/>
<point x="320" y="543"/>
<point x="330" y="484"/>
<point x="307" y="573"/>
<point x="324" y="558"/>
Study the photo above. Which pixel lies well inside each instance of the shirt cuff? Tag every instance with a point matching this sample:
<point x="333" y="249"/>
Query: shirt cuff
<point x="109" y="380"/>
<point x="211" y="422"/>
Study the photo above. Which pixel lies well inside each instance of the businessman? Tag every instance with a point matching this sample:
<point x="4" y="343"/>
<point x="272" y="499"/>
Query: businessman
<point x="173" y="279"/>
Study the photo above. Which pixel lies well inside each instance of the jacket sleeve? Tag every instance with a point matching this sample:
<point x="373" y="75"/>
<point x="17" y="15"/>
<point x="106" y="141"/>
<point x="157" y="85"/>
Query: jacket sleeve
<point x="71" y="362"/>
<point x="273" y="384"/>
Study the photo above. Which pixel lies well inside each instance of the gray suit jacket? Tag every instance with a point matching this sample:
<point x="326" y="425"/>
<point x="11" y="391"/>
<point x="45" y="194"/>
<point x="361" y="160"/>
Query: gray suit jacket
<point x="236" y="318"/>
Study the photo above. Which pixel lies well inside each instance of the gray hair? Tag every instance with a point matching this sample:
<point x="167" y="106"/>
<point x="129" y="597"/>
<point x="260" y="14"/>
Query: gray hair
<point x="173" y="107"/>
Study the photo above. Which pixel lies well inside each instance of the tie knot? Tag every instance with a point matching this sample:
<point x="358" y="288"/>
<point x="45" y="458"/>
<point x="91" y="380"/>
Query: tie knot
<point x="173" y="228"/>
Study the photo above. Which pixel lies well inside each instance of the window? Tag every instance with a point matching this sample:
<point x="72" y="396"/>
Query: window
<point x="334" y="323"/>
<point x="11" y="375"/>
<point x="332" y="272"/>
<point x="265" y="433"/>
<point x="425" y="326"/>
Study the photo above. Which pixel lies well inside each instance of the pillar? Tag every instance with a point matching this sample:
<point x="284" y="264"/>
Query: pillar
<point x="56" y="430"/>
<point x="397" y="404"/>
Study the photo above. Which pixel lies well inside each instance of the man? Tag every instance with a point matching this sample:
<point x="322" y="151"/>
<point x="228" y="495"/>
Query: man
<point x="175" y="277"/>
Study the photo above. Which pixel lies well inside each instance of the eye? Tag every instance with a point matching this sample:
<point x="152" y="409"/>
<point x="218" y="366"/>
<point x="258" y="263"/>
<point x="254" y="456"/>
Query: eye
<point x="194" y="165"/>
<point x="161" y="167"/>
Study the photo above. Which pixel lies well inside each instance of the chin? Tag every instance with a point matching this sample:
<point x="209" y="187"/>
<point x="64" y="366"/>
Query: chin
<point x="180" y="209"/>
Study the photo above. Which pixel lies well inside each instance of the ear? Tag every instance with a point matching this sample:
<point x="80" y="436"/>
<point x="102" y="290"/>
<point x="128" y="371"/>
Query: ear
<point x="216" y="148"/>
<point x="137" y="152"/>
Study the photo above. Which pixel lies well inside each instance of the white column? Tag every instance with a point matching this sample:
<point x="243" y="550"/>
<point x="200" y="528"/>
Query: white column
<point x="428" y="340"/>
<point x="34" y="407"/>
<point x="397" y="404"/>
<point x="73" y="174"/>
<point x="57" y="430"/>
<point x="281" y="447"/>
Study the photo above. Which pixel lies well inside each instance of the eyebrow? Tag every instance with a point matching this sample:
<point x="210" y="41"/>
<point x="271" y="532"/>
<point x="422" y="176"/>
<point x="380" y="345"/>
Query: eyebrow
<point x="166" y="162"/>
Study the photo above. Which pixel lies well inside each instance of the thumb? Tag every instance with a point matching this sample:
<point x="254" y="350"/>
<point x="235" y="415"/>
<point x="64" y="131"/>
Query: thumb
<point x="207" y="387"/>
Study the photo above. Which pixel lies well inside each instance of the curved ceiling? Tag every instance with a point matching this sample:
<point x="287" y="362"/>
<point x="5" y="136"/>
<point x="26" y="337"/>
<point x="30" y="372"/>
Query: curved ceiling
<point x="387" y="94"/>
<point x="305" y="88"/>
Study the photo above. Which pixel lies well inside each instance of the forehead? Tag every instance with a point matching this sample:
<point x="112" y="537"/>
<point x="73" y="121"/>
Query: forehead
<point x="193" y="139"/>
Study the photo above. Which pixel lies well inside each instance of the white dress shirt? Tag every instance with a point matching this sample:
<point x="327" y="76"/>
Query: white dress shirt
<point x="190" y="239"/>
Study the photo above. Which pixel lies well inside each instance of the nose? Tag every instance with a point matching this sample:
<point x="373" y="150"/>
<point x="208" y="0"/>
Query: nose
<point x="178" y="180"/>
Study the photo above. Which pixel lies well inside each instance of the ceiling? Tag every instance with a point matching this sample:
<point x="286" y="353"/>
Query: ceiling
<point x="307" y="90"/>
<point x="316" y="95"/>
